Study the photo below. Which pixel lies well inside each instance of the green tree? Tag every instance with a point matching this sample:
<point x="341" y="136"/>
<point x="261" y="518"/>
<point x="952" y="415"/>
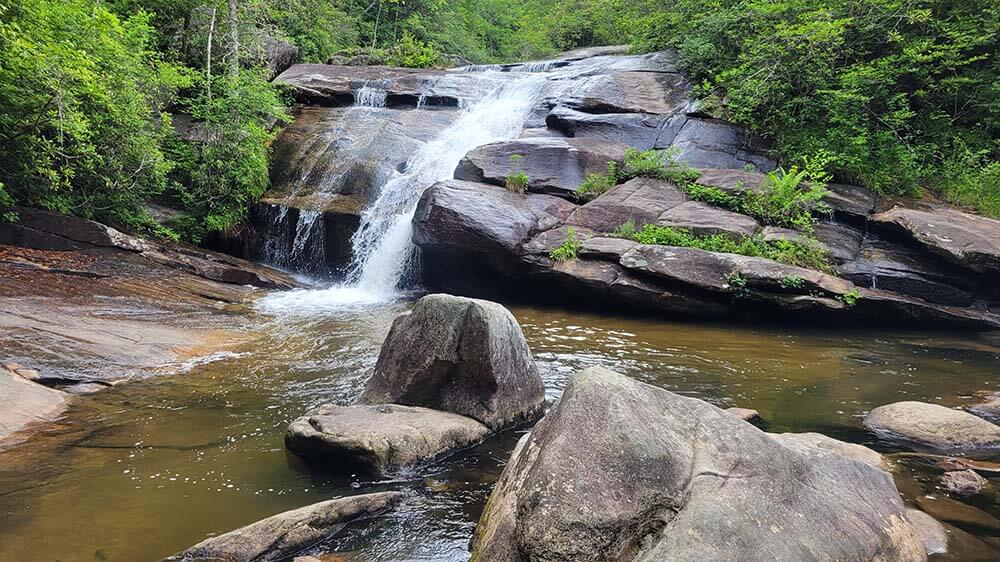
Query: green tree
<point x="81" y="101"/>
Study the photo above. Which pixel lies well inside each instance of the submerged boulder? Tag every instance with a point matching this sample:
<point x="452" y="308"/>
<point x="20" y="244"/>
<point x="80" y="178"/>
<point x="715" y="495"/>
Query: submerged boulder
<point x="380" y="439"/>
<point x="281" y="536"/>
<point x="23" y="401"/>
<point x="934" y="427"/>
<point x="621" y="470"/>
<point x="459" y="355"/>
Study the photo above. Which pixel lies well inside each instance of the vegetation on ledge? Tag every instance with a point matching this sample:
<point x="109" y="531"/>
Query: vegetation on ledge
<point x="789" y="252"/>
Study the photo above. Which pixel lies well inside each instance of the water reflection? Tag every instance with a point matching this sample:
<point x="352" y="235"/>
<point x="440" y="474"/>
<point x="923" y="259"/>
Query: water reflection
<point x="143" y="470"/>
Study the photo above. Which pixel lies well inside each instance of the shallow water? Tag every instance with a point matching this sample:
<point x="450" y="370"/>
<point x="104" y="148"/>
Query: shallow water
<point x="143" y="470"/>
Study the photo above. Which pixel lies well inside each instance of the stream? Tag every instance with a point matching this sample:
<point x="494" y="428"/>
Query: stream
<point x="141" y="471"/>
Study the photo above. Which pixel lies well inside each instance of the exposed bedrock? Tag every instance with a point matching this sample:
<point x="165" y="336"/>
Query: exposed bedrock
<point x="687" y="464"/>
<point x="451" y="372"/>
<point x="477" y="236"/>
<point x="282" y="536"/>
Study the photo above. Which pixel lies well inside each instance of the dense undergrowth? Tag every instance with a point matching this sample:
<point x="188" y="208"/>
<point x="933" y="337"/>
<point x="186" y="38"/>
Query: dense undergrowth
<point x="899" y="96"/>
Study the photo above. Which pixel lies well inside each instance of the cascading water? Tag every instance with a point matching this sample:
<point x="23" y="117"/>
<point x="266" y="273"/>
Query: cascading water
<point x="382" y="248"/>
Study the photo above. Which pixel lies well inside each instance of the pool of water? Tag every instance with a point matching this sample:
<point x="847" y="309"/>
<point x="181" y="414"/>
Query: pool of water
<point x="143" y="470"/>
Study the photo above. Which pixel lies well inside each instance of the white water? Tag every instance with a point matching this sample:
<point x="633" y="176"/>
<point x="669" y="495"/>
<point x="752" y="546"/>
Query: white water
<point x="382" y="248"/>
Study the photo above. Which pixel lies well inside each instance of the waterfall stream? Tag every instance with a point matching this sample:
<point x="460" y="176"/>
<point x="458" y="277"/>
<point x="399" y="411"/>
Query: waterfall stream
<point x="383" y="253"/>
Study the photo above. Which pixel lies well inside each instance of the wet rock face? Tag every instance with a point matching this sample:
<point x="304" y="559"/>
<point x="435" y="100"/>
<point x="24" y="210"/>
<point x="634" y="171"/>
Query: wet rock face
<point x="553" y="165"/>
<point x="966" y="239"/>
<point x="455" y="218"/>
<point x="380" y="439"/>
<point x="687" y="464"/>
<point x="459" y="355"/>
<point x="963" y="482"/>
<point x="281" y="536"/>
<point x="934" y="427"/>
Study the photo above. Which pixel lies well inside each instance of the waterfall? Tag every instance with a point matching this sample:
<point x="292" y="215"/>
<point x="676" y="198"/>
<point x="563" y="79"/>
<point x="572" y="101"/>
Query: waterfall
<point x="382" y="249"/>
<point x="370" y="96"/>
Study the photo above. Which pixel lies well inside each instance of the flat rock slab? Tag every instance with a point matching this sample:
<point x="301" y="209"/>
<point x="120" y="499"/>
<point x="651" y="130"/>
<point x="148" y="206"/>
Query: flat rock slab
<point x="714" y="271"/>
<point x="459" y="355"/>
<point x="703" y="219"/>
<point x="934" y="427"/>
<point x="281" y="536"/>
<point x="24" y="402"/>
<point x="640" y="201"/>
<point x="967" y="239"/>
<point x="932" y="533"/>
<point x="380" y="439"/>
<point x="621" y="470"/>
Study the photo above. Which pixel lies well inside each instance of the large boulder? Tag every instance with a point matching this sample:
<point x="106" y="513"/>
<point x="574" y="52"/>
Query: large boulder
<point x="964" y="238"/>
<point x="712" y="271"/>
<point x="281" y="536"/>
<point x="459" y="355"/>
<point x="934" y="427"/>
<point x="553" y="165"/>
<point x="380" y="439"/>
<point x="455" y="219"/>
<point x="621" y="470"/>
<point x="640" y="201"/>
<point x="893" y="267"/>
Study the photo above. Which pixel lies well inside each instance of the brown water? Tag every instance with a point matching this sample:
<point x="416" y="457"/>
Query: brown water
<point x="143" y="470"/>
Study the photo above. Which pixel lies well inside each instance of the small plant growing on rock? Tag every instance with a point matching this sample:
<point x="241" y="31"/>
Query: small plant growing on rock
<point x="517" y="180"/>
<point x="596" y="184"/>
<point x="659" y="164"/>
<point x="626" y="231"/>
<point x="569" y="249"/>
<point x="738" y="284"/>
<point x="791" y="282"/>
<point x="850" y="298"/>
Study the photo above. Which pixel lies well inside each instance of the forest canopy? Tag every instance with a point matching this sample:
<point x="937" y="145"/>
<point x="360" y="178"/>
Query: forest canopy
<point x="898" y="95"/>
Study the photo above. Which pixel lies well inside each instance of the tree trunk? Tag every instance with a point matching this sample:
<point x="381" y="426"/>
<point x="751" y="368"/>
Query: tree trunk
<point x="234" y="39"/>
<point x="208" y="57"/>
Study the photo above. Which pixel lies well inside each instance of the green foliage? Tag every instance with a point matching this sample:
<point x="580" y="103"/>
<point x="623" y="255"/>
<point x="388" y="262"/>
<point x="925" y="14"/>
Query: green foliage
<point x="216" y="181"/>
<point x="783" y="251"/>
<point x="850" y="298"/>
<point x="569" y="249"/>
<point x="319" y="28"/>
<point x="790" y="198"/>
<point x="659" y="164"/>
<point x="596" y="184"/>
<point x="516" y="181"/>
<point x="412" y="53"/>
<point x="626" y="230"/>
<point x="791" y="282"/>
<point x="81" y="95"/>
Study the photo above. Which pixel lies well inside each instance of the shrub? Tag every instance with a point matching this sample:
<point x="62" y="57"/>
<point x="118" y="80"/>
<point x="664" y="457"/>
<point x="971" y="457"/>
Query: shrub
<point x="659" y="164"/>
<point x="596" y="184"/>
<point x="800" y="254"/>
<point x="516" y="181"/>
<point x="789" y="198"/>
<point x="569" y="249"/>
<point x="850" y="298"/>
